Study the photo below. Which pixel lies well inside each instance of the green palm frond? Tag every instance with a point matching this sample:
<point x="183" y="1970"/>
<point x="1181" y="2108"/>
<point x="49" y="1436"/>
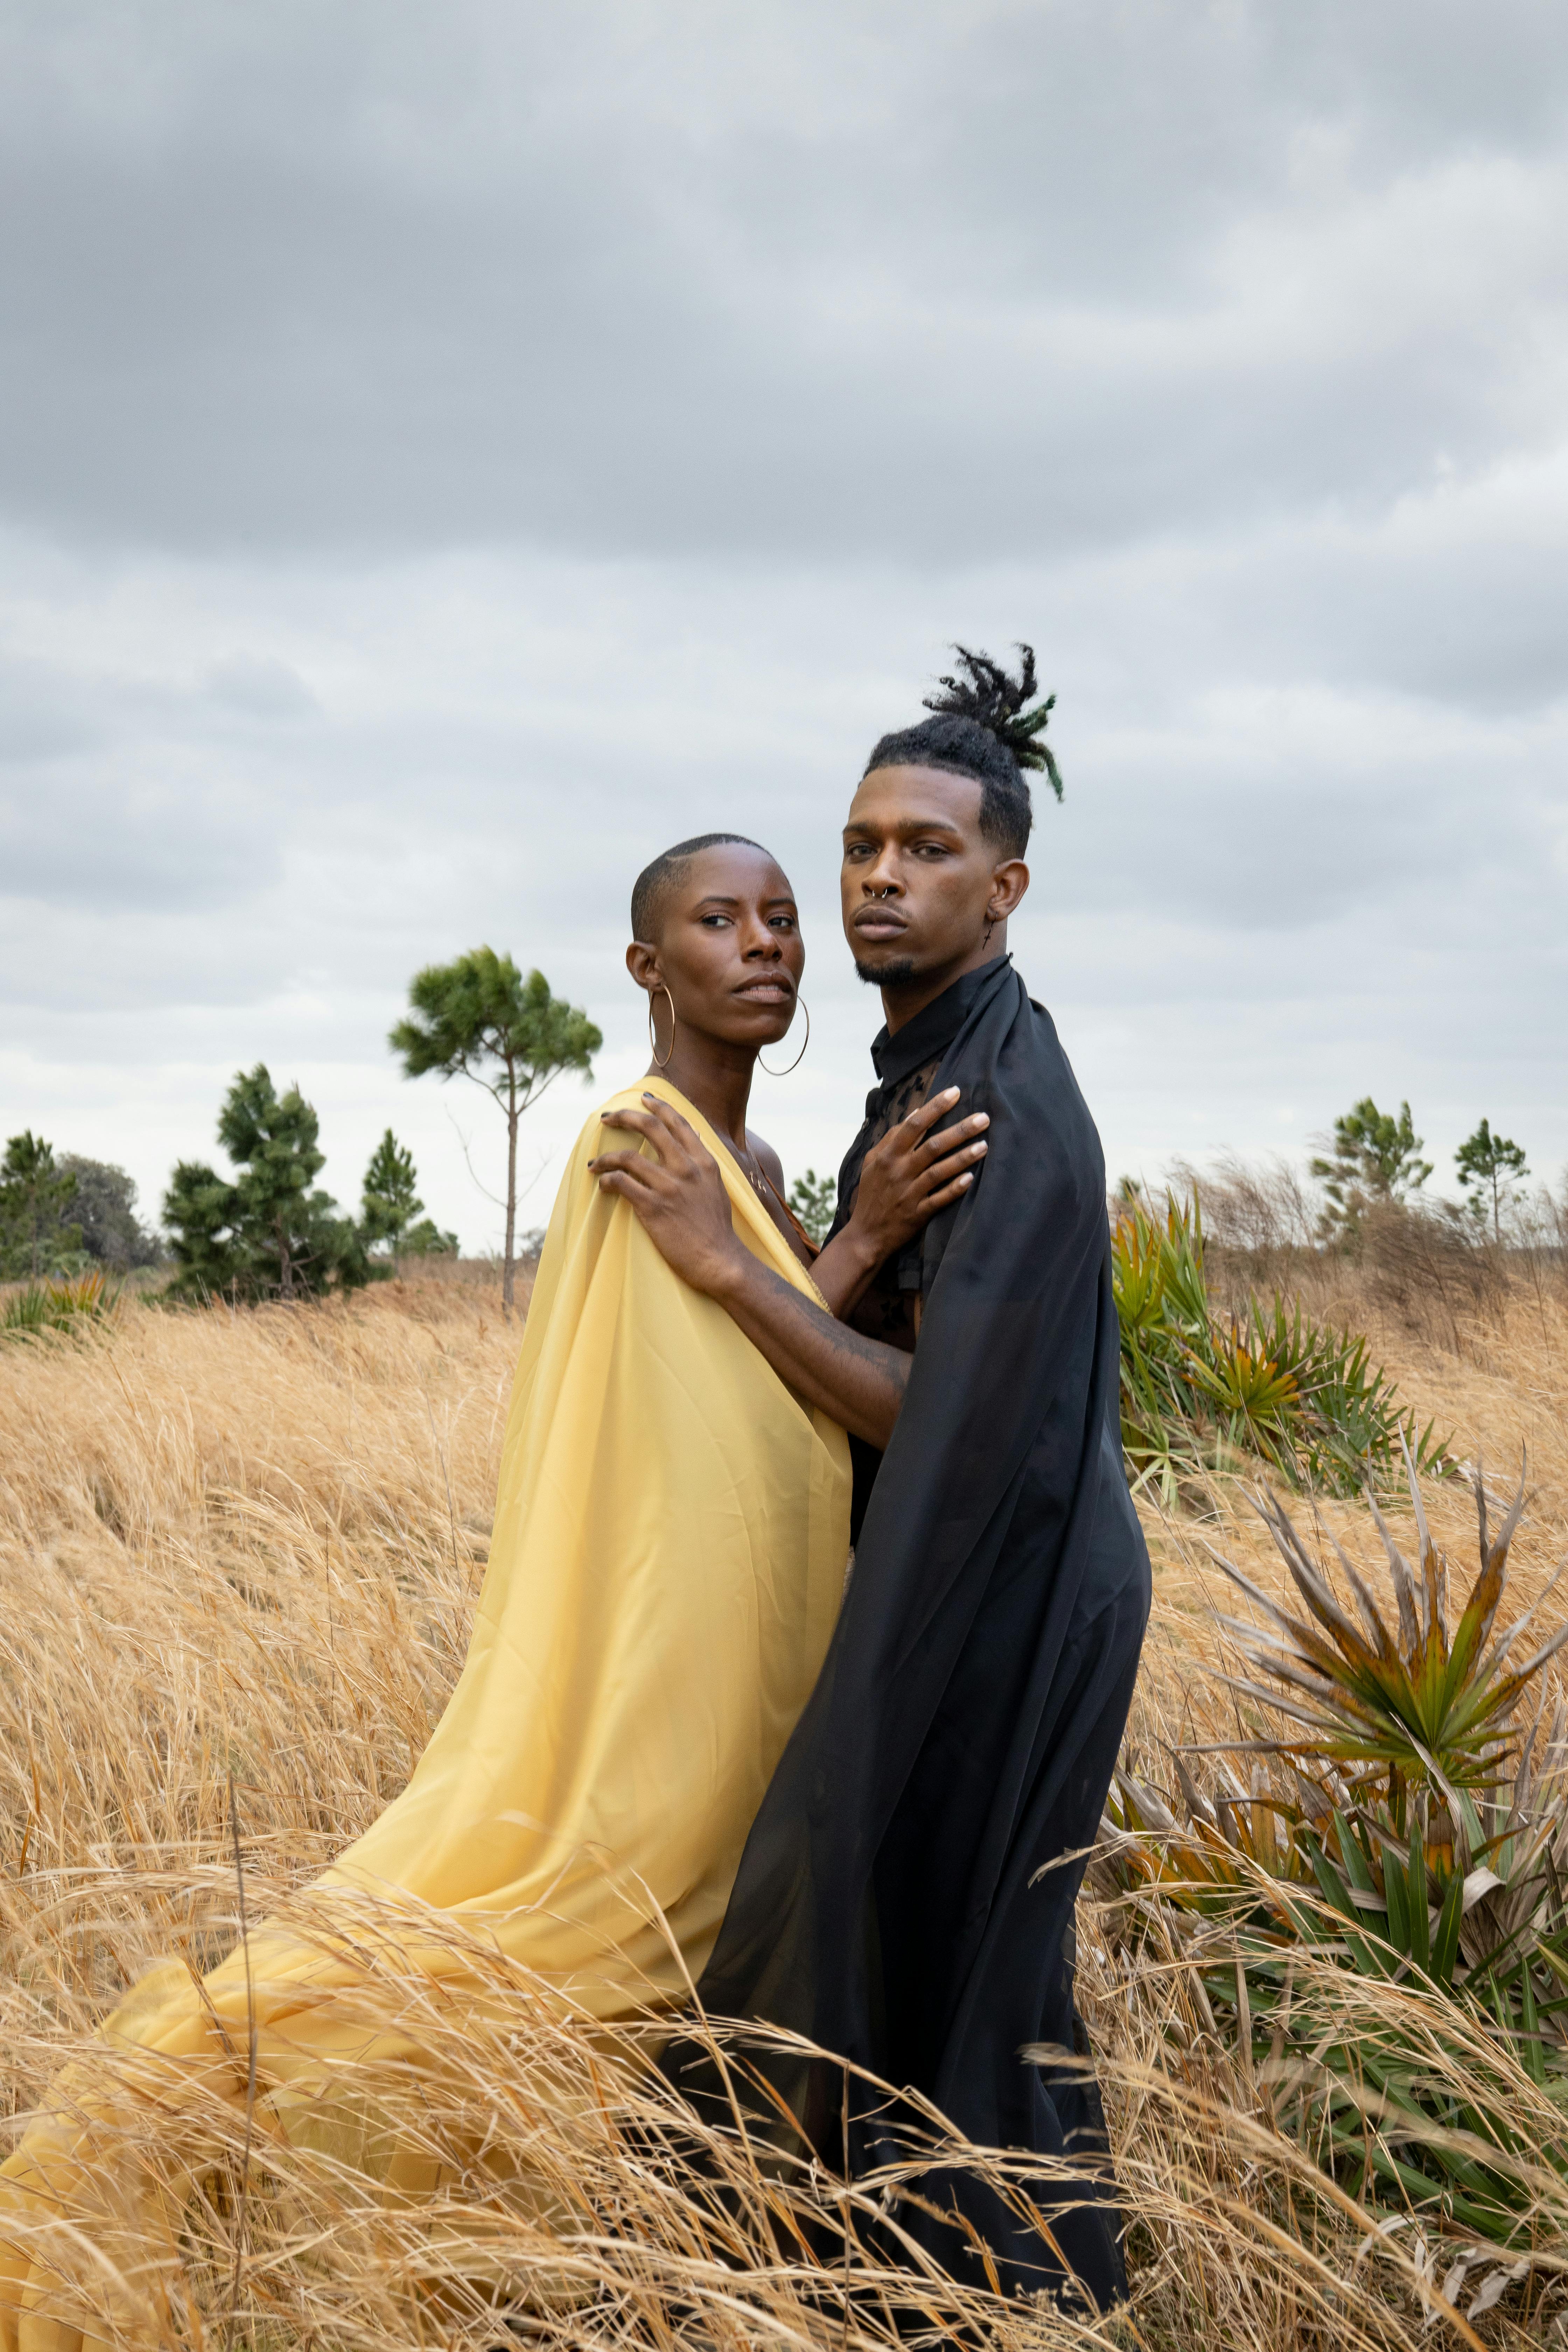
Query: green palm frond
<point x="1198" y="1388"/>
<point x="1398" y="1690"/>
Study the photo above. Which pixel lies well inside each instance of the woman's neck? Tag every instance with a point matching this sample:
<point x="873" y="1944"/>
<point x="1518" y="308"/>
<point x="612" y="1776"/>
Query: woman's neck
<point x="715" y="1077"/>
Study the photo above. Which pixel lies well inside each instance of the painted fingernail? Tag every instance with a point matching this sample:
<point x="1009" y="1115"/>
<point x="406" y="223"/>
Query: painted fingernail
<point x="968" y="1177"/>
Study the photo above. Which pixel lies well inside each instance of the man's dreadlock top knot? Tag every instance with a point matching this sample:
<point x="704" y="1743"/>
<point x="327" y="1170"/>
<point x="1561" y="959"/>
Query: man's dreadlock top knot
<point x="996" y="701"/>
<point x="982" y="727"/>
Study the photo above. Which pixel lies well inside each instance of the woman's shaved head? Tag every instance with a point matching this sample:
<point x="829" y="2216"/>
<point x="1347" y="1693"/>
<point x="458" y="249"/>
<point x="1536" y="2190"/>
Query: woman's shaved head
<point x="651" y="890"/>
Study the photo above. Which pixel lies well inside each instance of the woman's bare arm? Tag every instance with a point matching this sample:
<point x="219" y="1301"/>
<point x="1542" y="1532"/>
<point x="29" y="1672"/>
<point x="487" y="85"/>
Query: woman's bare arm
<point x="681" y="1201"/>
<point x="859" y="1381"/>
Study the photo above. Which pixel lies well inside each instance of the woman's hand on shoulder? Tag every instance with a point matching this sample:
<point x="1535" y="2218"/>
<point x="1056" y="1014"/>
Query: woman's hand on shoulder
<point x="678" y="1196"/>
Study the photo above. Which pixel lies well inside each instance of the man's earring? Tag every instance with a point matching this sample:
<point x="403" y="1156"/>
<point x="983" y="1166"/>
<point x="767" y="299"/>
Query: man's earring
<point x="652" y="1038"/>
<point x="990" y="927"/>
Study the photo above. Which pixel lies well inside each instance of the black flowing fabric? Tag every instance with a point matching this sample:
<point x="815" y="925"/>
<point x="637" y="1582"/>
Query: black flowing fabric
<point x="962" y="1737"/>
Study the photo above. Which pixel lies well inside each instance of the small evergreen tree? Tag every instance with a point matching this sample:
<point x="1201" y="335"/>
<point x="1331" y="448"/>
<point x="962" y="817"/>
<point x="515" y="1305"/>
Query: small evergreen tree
<point x="201" y="1210"/>
<point x="814" y="1200"/>
<point x="269" y="1235"/>
<point x="478" y="1018"/>
<point x="390" y="1202"/>
<point x="33" y="1196"/>
<point x="1490" y="1162"/>
<point x="1376" y="1157"/>
<point x="426" y="1240"/>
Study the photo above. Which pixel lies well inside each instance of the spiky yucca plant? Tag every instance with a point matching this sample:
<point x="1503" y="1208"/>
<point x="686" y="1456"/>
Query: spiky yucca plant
<point x="1411" y="1699"/>
<point x="1405" y="1828"/>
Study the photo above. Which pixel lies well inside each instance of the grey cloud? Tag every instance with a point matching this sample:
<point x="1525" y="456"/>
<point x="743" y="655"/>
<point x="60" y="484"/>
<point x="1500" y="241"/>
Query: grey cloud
<point x="262" y="687"/>
<point x="464" y="448"/>
<point x="109" y="801"/>
<point x="958" y="285"/>
<point x="1472" y="620"/>
<point x="79" y="846"/>
<point x="40" y="721"/>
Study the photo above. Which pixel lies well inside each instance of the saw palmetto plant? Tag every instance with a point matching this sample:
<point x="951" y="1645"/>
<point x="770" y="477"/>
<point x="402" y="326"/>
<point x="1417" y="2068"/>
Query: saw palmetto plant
<point x="1202" y="1390"/>
<point x="59" y="1303"/>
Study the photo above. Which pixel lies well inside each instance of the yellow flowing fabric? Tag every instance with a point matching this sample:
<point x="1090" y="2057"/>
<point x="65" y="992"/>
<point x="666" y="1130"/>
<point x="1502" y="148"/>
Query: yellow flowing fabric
<point x="671" y="1537"/>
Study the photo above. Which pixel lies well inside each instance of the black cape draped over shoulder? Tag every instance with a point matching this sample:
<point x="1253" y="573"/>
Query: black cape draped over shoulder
<point x="889" y="1904"/>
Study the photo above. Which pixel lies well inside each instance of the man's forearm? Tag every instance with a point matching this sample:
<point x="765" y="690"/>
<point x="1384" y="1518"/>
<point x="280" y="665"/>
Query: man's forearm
<point x="858" y="1381"/>
<point x="843" y="1269"/>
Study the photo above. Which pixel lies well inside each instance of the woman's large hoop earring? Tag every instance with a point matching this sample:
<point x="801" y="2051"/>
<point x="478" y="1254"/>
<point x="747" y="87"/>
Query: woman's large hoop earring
<point x="800" y="1056"/>
<point x="652" y="1039"/>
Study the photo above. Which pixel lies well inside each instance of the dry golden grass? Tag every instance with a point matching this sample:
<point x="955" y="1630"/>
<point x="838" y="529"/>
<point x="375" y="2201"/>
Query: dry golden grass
<point x="250" y="1545"/>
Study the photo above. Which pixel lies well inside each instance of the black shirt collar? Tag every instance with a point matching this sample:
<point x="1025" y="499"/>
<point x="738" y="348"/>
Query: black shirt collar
<point x="933" y="1028"/>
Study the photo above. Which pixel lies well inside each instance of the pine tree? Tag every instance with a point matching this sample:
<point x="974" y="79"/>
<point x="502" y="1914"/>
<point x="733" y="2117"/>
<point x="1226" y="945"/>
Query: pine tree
<point x="426" y="1239"/>
<point x="480" y="1019"/>
<point x="1376" y="1157"/>
<point x="1490" y="1163"/>
<point x="269" y="1235"/>
<point x="815" y="1200"/>
<point x="34" y="1195"/>
<point x="201" y="1210"/>
<point x="389" y="1202"/>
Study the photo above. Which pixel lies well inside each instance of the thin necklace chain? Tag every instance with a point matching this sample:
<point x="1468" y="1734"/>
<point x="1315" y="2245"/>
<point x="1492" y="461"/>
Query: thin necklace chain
<point x="750" y="1169"/>
<point x="753" y="1174"/>
<point x="765" y="1190"/>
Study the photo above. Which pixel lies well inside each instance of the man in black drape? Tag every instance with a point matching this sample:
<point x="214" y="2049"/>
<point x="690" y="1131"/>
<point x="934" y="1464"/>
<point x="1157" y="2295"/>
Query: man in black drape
<point x="897" y="1902"/>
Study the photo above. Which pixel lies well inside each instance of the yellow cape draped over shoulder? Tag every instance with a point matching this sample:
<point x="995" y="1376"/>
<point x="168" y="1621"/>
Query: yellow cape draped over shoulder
<point x="672" y="1532"/>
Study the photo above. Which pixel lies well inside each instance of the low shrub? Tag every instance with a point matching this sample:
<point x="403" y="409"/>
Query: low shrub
<point x="1203" y="1390"/>
<point x="67" y="1304"/>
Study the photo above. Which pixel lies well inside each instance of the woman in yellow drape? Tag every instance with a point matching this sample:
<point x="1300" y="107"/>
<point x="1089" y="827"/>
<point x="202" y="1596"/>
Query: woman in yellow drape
<point x="669" y="1548"/>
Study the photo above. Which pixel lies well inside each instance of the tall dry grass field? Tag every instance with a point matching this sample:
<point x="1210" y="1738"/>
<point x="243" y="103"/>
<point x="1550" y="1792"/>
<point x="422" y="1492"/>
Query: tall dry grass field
<point x="238" y="1554"/>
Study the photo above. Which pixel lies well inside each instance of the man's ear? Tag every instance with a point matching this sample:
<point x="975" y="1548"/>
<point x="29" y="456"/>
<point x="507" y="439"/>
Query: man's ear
<point x="1009" y="883"/>
<point x="642" y="962"/>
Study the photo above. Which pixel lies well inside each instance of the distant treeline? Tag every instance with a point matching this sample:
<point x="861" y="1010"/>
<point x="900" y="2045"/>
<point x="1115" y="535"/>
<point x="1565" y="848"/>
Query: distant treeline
<point x="268" y="1232"/>
<point x="65" y="1215"/>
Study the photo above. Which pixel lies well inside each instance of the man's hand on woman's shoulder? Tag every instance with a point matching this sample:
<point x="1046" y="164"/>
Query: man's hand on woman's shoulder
<point x="905" y="1178"/>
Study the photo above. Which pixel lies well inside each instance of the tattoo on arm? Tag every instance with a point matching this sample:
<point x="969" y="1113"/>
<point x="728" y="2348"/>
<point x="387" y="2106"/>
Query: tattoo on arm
<point x="860" y="1381"/>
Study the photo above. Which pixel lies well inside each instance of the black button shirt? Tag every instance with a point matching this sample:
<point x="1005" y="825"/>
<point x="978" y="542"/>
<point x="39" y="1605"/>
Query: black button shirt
<point x="905" y="1064"/>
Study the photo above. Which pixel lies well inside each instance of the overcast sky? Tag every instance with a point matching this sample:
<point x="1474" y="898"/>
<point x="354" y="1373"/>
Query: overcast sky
<point x="451" y="451"/>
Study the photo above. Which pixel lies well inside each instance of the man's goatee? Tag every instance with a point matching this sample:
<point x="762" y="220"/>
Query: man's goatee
<point x="886" y="976"/>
